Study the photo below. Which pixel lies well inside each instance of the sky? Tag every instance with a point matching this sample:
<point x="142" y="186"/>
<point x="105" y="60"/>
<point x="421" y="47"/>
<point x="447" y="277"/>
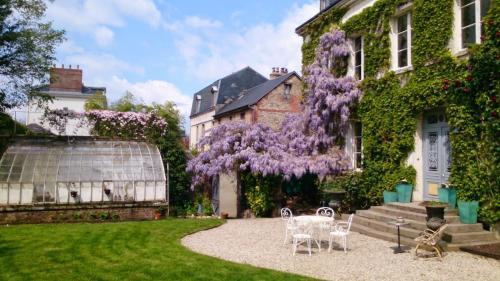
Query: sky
<point x="166" y="50"/>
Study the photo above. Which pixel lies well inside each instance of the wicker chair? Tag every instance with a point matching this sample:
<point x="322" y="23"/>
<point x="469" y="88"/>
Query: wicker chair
<point x="430" y="239"/>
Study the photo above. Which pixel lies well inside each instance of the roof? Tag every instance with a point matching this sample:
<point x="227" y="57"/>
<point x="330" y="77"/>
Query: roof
<point x="332" y="4"/>
<point x="255" y="94"/>
<point x="80" y="160"/>
<point x="86" y="91"/>
<point x="229" y="87"/>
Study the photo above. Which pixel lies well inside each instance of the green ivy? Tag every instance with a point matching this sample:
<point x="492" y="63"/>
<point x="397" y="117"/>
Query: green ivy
<point x="392" y="104"/>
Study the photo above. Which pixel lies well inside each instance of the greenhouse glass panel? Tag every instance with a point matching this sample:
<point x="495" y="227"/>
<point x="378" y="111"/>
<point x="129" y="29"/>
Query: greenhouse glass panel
<point x="55" y="170"/>
<point x="97" y="191"/>
<point x="4" y="193"/>
<point x="140" y="191"/>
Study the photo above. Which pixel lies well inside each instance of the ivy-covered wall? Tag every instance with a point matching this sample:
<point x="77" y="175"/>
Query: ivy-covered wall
<point x="391" y="103"/>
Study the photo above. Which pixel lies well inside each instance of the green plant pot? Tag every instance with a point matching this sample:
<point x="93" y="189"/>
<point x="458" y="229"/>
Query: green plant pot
<point x="404" y="191"/>
<point x="467" y="210"/>
<point x="448" y="195"/>
<point x="390" y="196"/>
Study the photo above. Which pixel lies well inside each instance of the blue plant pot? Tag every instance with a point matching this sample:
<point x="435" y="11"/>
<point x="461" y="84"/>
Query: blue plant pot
<point x="448" y="195"/>
<point x="467" y="210"/>
<point x="390" y="196"/>
<point x="404" y="191"/>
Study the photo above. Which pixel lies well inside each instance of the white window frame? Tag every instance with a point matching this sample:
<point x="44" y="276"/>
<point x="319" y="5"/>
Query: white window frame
<point x="353" y="42"/>
<point x="478" y="20"/>
<point x="357" y="166"/>
<point x="409" y="31"/>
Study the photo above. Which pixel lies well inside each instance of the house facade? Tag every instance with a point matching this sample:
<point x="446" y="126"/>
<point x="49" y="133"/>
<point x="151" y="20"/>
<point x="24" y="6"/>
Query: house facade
<point x="68" y="92"/>
<point x="410" y="45"/>
<point x="245" y="96"/>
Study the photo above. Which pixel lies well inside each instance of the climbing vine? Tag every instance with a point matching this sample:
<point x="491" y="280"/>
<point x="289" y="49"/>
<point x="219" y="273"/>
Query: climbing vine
<point x="393" y="103"/>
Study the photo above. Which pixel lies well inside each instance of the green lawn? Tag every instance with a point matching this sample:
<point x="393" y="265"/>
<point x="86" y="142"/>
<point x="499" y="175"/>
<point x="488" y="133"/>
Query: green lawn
<point x="116" y="251"/>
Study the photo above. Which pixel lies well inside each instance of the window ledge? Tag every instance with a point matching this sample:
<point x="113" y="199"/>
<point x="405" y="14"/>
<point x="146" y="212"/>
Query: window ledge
<point x="403" y="69"/>
<point x="461" y="53"/>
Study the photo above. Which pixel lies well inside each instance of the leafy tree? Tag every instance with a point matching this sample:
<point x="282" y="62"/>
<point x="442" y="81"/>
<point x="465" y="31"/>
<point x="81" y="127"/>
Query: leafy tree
<point x="97" y="101"/>
<point x="27" y="50"/>
<point x="126" y="103"/>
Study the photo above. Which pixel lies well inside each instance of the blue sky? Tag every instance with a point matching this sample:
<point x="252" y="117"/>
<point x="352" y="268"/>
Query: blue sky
<point x="168" y="49"/>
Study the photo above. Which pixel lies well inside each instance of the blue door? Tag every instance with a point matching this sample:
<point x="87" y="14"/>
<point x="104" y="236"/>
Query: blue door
<point x="436" y="154"/>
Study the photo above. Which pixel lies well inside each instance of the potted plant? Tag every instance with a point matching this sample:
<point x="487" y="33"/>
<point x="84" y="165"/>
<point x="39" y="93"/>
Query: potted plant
<point x="223" y="215"/>
<point x="404" y="190"/>
<point x="448" y="194"/>
<point x="107" y="191"/>
<point x="467" y="211"/>
<point x="435" y="213"/>
<point x="390" y="196"/>
<point x="74" y="193"/>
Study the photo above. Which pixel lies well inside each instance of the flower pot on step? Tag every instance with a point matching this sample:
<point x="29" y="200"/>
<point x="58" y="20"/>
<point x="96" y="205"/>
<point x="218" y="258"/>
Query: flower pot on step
<point x="404" y="191"/>
<point x="448" y="195"/>
<point x="390" y="196"/>
<point x="467" y="210"/>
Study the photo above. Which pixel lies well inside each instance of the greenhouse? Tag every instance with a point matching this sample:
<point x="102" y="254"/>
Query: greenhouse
<point x="81" y="170"/>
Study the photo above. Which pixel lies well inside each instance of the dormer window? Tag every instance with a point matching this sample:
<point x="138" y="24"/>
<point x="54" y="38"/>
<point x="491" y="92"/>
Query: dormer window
<point x="324" y="4"/>
<point x="198" y="103"/>
<point x="214" y="91"/>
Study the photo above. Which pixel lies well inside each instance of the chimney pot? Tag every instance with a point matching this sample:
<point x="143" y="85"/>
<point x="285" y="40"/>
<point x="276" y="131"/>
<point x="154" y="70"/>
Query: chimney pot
<point x="70" y="66"/>
<point x="77" y="66"/>
<point x="62" y="65"/>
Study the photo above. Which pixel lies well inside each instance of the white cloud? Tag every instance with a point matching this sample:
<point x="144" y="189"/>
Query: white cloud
<point x="88" y="15"/>
<point x="152" y="91"/>
<point x="103" y="36"/>
<point x="260" y="46"/>
<point x="198" y="22"/>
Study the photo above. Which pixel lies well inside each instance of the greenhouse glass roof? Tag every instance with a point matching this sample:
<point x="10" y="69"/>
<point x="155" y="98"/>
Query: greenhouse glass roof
<point x="34" y="161"/>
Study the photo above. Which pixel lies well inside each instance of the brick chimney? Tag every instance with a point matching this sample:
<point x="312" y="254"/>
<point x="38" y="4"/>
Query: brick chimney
<point x="66" y="79"/>
<point x="277" y="72"/>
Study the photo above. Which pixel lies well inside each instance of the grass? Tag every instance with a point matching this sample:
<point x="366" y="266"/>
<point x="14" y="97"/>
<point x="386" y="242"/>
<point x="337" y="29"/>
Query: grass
<point x="116" y="251"/>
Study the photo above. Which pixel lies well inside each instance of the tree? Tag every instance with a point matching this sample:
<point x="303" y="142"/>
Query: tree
<point x="27" y="50"/>
<point x="97" y="101"/>
<point x="128" y="102"/>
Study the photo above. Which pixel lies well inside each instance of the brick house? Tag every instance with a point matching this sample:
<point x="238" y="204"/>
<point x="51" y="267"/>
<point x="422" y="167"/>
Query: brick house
<point x="246" y="96"/>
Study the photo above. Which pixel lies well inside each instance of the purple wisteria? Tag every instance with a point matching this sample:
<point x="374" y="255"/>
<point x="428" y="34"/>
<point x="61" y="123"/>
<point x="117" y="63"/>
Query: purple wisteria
<point x="305" y="143"/>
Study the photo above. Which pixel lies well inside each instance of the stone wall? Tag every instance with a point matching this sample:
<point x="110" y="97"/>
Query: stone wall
<point x="271" y="110"/>
<point x="79" y="213"/>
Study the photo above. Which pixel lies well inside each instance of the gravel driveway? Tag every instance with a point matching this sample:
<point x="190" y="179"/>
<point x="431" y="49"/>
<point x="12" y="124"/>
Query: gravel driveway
<point x="259" y="242"/>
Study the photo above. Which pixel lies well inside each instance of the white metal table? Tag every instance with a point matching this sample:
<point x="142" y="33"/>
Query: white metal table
<point x="315" y="221"/>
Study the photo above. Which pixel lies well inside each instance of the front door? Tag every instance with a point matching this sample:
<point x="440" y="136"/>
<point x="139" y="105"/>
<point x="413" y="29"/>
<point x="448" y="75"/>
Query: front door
<point x="437" y="153"/>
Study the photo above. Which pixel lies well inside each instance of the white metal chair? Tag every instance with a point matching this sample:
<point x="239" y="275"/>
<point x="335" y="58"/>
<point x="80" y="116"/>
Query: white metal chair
<point x="325" y="227"/>
<point x="341" y="230"/>
<point x="302" y="233"/>
<point x="287" y="216"/>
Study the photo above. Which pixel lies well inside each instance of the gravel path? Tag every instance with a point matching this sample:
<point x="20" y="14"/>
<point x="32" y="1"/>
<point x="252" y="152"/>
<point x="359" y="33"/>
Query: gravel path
<point x="259" y="242"/>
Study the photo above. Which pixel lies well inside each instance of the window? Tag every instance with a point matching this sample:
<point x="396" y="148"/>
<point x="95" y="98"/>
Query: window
<point x="472" y="12"/>
<point x="323" y="4"/>
<point x="242" y="115"/>
<point x="202" y="130"/>
<point x="198" y="103"/>
<point x="358" y="58"/>
<point x="404" y="40"/>
<point x="358" y="146"/>
<point x="288" y="89"/>
<point x="230" y="118"/>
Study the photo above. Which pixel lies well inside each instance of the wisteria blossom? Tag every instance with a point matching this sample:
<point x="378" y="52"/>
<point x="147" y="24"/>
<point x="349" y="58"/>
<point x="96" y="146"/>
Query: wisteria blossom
<point x="305" y="143"/>
<point x="110" y="123"/>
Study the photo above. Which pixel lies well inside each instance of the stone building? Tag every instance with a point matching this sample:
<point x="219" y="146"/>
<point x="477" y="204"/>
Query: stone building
<point x="246" y="96"/>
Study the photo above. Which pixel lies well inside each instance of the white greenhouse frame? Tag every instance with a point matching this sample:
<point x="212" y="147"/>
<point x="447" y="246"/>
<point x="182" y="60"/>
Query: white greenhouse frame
<point x="82" y="170"/>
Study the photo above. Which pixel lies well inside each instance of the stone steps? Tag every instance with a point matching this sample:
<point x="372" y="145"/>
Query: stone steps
<point x="416" y="208"/>
<point x="411" y="215"/>
<point x="375" y="222"/>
